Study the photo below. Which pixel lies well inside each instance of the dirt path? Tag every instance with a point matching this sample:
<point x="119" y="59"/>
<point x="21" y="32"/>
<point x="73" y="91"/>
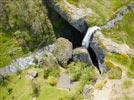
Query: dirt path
<point x="113" y="90"/>
<point x="104" y="94"/>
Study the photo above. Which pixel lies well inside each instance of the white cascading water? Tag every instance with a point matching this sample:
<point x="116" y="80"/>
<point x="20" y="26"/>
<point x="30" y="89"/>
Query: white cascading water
<point x="86" y="40"/>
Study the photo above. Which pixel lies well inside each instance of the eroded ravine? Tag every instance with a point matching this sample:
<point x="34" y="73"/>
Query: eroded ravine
<point x="95" y="53"/>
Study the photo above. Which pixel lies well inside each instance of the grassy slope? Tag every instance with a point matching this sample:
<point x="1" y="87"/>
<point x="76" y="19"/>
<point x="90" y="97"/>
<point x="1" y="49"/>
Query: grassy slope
<point x="104" y="9"/>
<point x="22" y="90"/>
<point x="123" y="61"/>
<point x="7" y="46"/>
<point x="124" y="31"/>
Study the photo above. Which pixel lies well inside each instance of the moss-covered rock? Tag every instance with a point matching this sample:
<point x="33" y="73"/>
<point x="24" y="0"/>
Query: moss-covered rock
<point x="63" y="51"/>
<point x="109" y="64"/>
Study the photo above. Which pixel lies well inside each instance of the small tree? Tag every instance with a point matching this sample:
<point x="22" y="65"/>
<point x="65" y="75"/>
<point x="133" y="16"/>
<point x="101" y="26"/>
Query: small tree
<point x="3" y="80"/>
<point x="52" y="80"/>
<point x="35" y="89"/>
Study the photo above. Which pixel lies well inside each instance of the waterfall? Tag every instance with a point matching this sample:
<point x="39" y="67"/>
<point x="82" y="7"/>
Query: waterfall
<point x="87" y="38"/>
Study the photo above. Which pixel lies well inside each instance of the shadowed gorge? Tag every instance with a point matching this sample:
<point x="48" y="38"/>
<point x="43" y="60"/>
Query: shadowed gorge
<point x="67" y="31"/>
<point x="66" y="49"/>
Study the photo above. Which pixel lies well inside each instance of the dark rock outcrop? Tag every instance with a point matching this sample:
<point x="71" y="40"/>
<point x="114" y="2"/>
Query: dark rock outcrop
<point x="81" y="54"/>
<point x="75" y="16"/>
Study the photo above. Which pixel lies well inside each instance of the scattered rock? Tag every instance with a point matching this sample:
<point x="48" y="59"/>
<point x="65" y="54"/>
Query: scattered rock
<point x="63" y="51"/>
<point x="81" y="54"/>
<point x="32" y="74"/>
<point x="65" y="82"/>
<point x="87" y="90"/>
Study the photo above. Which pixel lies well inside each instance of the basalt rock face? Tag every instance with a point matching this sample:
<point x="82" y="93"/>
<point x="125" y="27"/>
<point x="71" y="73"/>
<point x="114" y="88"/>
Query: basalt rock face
<point x="75" y="16"/>
<point x="97" y="56"/>
<point x="80" y="16"/>
<point x="110" y="46"/>
<point x="81" y="54"/>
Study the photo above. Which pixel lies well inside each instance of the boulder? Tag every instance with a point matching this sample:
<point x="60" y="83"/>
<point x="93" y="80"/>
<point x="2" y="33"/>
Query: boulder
<point x="64" y="81"/>
<point x="32" y="74"/>
<point x="63" y="51"/>
<point x="81" y="54"/>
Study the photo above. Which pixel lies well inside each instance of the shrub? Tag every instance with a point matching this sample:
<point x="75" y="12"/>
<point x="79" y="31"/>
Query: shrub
<point x="36" y="59"/>
<point x="35" y="89"/>
<point x="46" y="73"/>
<point x="52" y="80"/>
<point x="115" y="73"/>
<point x="89" y="74"/>
<point x="10" y="90"/>
<point x="109" y="64"/>
<point x="3" y="80"/>
<point x="75" y="70"/>
<point x="51" y="71"/>
<point x="54" y="71"/>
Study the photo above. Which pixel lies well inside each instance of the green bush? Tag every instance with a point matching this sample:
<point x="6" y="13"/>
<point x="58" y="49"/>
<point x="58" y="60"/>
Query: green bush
<point x="4" y="80"/>
<point x="52" y="80"/>
<point x="36" y="59"/>
<point x="51" y="71"/>
<point x="89" y="74"/>
<point x="81" y="71"/>
<point x="75" y="70"/>
<point x="109" y="64"/>
<point x="10" y="90"/>
<point x="54" y="71"/>
<point x="46" y="73"/>
<point x="35" y="89"/>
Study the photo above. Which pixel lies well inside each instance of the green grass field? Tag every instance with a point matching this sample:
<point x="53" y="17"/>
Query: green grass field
<point x="21" y="88"/>
<point x="124" y="31"/>
<point x="122" y="60"/>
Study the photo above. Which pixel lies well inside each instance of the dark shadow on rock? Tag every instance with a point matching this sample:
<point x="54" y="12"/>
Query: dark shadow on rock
<point x="62" y="28"/>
